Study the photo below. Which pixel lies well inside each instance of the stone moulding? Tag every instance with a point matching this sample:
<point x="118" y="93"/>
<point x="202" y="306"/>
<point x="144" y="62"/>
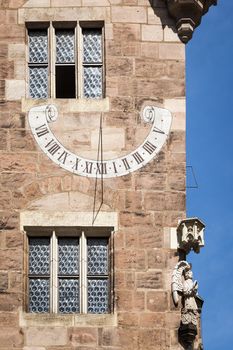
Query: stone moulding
<point x="188" y="15"/>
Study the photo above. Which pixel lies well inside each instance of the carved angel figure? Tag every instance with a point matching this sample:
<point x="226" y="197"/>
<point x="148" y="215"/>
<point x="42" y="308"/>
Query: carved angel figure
<point x="183" y="284"/>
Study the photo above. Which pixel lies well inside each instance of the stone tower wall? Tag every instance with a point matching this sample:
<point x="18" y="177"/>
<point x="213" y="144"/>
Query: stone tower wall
<point x="145" y="63"/>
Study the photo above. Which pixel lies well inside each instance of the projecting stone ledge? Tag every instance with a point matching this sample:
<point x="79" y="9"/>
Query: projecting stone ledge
<point x="188" y="15"/>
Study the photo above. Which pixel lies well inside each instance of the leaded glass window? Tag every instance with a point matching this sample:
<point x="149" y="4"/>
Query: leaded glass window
<point x="97" y="272"/>
<point x="92" y="63"/>
<point x="38" y="63"/>
<point x="39" y="274"/>
<point x="65" y="61"/>
<point x="68" y="274"/>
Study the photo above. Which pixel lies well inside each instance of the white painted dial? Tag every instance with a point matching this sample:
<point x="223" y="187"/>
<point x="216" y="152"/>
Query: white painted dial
<point x="41" y="116"/>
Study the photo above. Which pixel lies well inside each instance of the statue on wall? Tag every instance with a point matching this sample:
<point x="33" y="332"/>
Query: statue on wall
<point x="183" y="285"/>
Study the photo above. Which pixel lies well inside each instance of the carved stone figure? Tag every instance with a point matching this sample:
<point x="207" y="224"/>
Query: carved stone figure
<point x="183" y="284"/>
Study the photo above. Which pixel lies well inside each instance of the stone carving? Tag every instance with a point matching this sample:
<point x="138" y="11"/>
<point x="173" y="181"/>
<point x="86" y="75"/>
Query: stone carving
<point x="183" y="284"/>
<point x="190" y="235"/>
<point x="188" y="15"/>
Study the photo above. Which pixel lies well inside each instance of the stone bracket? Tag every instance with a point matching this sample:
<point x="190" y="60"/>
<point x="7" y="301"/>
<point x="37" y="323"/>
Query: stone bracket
<point x="188" y="15"/>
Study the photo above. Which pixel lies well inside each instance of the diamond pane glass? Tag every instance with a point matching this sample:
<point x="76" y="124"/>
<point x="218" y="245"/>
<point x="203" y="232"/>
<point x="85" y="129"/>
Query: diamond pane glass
<point x="98" y="296"/>
<point x="92" y="82"/>
<point x="92" y="45"/>
<point x="68" y="256"/>
<point x="39" y="252"/>
<point x="39" y="295"/>
<point x="65" y="46"/>
<point x="68" y="295"/>
<point x="97" y="256"/>
<point x="38" y="82"/>
<point x="38" y="46"/>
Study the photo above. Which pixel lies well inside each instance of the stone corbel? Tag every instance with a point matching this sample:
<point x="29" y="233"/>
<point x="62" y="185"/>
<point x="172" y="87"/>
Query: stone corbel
<point x="188" y="15"/>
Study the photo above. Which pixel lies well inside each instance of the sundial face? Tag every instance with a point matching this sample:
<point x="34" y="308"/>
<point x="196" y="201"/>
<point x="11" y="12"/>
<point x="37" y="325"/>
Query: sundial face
<point x="159" y="123"/>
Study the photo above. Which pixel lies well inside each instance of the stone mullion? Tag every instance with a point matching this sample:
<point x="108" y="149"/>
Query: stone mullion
<point x="54" y="274"/>
<point x="52" y="60"/>
<point x="83" y="274"/>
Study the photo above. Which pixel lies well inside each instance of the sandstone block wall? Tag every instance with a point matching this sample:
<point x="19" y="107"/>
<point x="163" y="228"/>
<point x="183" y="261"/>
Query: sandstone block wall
<point x="145" y="63"/>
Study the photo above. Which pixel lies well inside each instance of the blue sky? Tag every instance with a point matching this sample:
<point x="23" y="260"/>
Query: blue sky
<point x="209" y="72"/>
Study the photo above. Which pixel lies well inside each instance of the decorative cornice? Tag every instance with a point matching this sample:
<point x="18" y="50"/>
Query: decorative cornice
<point x="188" y="15"/>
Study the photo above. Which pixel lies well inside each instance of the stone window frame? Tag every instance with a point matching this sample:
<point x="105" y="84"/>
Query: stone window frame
<point x="83" y="233"/>
<point x="51" y="26"/>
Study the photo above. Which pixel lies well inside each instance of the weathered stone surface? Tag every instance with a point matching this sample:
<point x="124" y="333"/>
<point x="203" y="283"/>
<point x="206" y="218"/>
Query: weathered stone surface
<point x="83" y="336"/>
<point x="11" y="337"/>
<point x="136" y="219"/>
<point x="124" y="104"/>
<point x="155" y="182"/>
<point x="152" y="320"/>
<point x="6" y="69"/>
<point x="6" y="199"/>
<point x="3" y="140"/>
<point x="9" y="220"/>
<point x="3" y="50"/>
<point x="128" y="338"/>
<point x="119" y="66"/>
<point x="65" y="3"/>
<point x="157" y="301"/>
<point x="150" y="67"/>
<point x="15" y="89"/>
<point x="15" y="281"/>
<point x="10" y="302"/>
<point x="43" y="336"/>
<point x="150" y="280"/>
<point x="124" y="299"/>
<point x="156" y="259"/>
<point x="133" y="201"/>
<point x="128" y="319"/>
<point x="128" y="14"/>
<point x="175" y="200"/>
<point x="151" y="238"/>
<point x="171" y="51"/>
<point x="152" y="33"/>
<point x="153" y="339"/>
<point x="168" y="87"/>
<point x="130" y="259"/>
<point x="11" y="259"/>
<point x="9" y="319"/>
<point x="3" y="281"/>
<point x="22" y="140"/>
<point x="154" y="201"/>
<point x="11" y="32"/>
<point x="13" y="163"/>
<point x="109" y="337"/>
<point x="14" y="239"/>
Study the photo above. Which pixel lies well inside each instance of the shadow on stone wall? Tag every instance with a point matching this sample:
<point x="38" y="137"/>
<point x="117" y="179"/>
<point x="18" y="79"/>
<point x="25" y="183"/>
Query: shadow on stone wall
<point x="159" y="8"/>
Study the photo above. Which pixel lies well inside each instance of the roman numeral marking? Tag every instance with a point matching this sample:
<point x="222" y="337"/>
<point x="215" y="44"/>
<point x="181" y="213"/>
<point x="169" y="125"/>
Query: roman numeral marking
<point x="62" y="157"/>
<point x="101" y="168"/>
<point x="53" y="147"/>
<point x="42" y="130"/>
<point x="158" y="130"/>
<point x="126" y="164"/>
<point x="138" y="157"/>
<point x="88" y="168"/>
<point x="114" y="166"/>
<point x="149" y="147"/>
<point x="75" y="167"/>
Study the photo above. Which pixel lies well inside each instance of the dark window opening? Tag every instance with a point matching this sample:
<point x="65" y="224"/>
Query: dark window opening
<point x="65" y="81"/>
